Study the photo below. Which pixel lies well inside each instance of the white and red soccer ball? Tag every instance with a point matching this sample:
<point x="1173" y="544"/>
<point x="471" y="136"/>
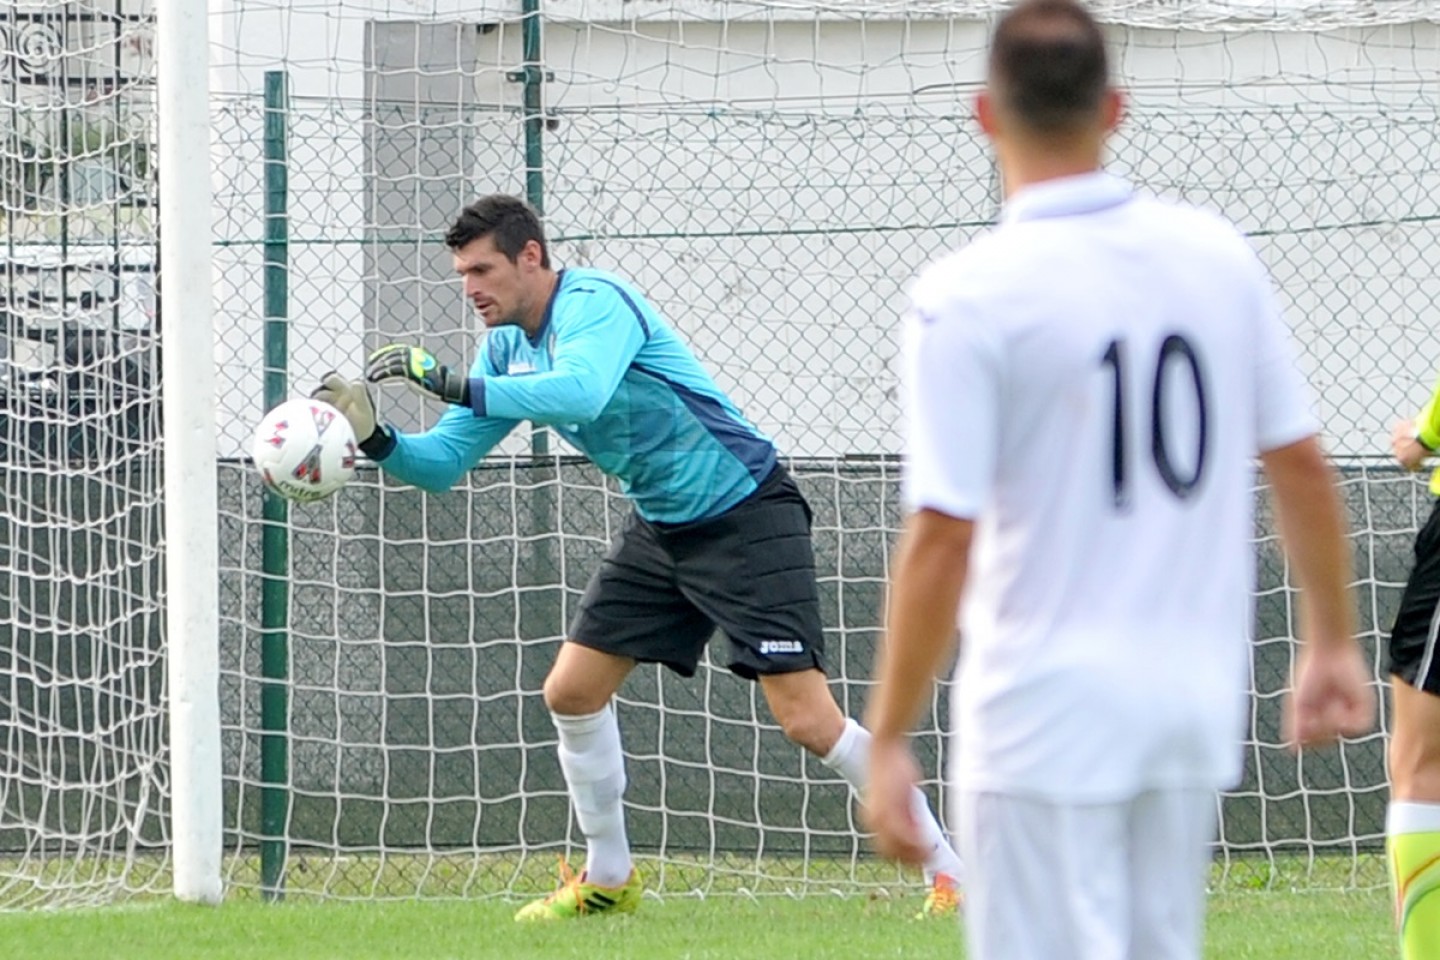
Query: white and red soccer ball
<point x="305" y="450"/>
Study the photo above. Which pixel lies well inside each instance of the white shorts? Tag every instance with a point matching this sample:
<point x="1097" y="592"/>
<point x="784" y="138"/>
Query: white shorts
<point x="1111" y="881"/>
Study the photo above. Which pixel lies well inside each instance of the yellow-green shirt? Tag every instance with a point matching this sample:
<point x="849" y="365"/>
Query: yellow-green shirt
<point x="1427" y="429"/>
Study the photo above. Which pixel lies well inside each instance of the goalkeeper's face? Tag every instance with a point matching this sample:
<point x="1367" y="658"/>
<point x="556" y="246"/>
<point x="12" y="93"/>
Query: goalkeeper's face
<point x="502" y="291"/>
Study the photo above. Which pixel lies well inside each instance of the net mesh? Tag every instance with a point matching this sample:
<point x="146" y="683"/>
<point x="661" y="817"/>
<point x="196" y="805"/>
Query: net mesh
<point x="83" y="782"/>
<point x="770" y="174"/>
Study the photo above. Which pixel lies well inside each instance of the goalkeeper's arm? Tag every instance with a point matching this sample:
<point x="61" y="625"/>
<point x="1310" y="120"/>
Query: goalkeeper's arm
<point x="433" y="460"/>
<point x="596" y="338"/>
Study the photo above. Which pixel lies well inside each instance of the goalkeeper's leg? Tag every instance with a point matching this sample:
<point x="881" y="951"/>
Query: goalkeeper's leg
<point x="631" y="612"/>
<point x="578" y="691"/>
<point x="806" y="710"/>
<point x="1413" y="824"/>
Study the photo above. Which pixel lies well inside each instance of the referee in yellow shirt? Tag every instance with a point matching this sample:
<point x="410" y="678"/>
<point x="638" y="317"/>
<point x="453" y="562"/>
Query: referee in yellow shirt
<point x="1413" y="825"/>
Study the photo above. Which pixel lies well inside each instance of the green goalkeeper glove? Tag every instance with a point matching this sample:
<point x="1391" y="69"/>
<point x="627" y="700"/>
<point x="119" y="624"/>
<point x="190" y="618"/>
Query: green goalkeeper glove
<point x="352" y="399"/>
<point x="418" y="366"/>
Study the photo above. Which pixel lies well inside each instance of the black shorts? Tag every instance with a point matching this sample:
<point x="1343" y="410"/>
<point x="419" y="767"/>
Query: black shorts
<point x="663" y="589"/>
<point x="1413" y="638"/>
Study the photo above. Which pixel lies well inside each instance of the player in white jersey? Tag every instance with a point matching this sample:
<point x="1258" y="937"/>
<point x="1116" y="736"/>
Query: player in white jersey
<point x="1086" y="389"/>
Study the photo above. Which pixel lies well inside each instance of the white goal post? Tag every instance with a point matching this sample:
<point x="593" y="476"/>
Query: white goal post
<point x="192" y="551"/>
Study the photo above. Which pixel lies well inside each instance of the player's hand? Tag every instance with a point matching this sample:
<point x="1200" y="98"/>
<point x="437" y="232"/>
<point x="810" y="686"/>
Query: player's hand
<point x="888" y="806"/>
<point x="418" y="367"/>
<point x="352" y="399"/>
<point x="1332" y="697"/>
<point x="1410" y="452"/>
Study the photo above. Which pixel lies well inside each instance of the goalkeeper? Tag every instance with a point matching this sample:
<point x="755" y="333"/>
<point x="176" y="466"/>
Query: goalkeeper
<point x="719" y="537"/>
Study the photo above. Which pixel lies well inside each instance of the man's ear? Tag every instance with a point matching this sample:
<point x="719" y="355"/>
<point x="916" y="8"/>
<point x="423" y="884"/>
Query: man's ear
<point x="531" y="255"/>
<point x="985" y="113"/>
<point x="1113" y="109"/>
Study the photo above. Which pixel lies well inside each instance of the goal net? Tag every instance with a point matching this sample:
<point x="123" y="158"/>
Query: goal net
<point x="83" y="775"/>
<point x="770" y="174"/>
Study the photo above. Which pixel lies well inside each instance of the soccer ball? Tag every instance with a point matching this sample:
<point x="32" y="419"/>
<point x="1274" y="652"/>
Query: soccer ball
<point x="304" y="450"/>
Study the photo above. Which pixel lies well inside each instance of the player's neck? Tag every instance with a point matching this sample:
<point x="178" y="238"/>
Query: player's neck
<point x="534" y="317"/>
<point x="1026" y="164"/>
<point x="1018" y="176"/>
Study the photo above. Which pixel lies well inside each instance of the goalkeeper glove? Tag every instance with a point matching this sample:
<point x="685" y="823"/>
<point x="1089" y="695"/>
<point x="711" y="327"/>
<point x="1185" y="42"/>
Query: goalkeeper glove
<point x="418" y="366"/>
<point x="352" y="399"/>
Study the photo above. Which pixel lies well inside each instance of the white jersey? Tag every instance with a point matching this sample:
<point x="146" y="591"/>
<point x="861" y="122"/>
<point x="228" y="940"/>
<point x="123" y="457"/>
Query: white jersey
<point x="1090" y="383"/>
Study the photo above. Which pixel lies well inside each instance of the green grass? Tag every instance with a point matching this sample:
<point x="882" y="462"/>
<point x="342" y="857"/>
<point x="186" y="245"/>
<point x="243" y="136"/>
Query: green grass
<point x="1265" y="926"/>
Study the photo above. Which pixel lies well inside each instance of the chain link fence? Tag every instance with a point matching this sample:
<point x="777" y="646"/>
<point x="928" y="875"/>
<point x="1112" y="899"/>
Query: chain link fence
<point x="778" y="242"/>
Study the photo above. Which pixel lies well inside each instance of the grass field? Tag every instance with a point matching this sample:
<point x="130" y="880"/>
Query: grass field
<point x="1264" y="926"/>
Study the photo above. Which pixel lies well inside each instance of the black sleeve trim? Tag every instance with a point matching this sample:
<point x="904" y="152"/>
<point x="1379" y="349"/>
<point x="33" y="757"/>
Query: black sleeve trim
<point x="379" y="444"/>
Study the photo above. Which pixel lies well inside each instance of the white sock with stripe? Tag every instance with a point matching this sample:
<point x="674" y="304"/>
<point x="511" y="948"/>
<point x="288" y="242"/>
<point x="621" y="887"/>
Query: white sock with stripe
<point x="594" y="771"/>
<point x="850" y="757"/>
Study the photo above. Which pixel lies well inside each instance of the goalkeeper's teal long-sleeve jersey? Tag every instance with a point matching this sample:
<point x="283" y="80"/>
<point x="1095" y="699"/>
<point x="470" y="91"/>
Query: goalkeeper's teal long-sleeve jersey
<point x="620" y="386"/>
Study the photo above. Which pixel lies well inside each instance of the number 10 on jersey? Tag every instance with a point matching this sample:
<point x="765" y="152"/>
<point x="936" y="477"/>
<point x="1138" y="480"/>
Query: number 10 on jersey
<point x="1175" y="352"/>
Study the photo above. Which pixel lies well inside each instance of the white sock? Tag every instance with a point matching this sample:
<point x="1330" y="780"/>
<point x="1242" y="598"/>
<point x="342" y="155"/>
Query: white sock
<point x="594" y="771"/>
<point x="850" y="757"/>
<point x="1412" y="816"/>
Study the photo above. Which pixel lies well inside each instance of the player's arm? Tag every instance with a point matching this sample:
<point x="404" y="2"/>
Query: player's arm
<point x="597" y="336"/>
<point x="436" y="459"/>
<point x="929" y="568"/>
<point x="433" y="460"/>
<point x="951" y="388"/>
<point x="596" y="340"/>
<point x="1414" y="441"/>
<point x="1332" y="695"/>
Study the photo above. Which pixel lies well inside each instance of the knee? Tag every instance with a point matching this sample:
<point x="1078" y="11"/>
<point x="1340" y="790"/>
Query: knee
<point x="806" y="711"/>
<point x="569" y="698"/>
<point x="1415" y="777"/>
<point x="815" y="730"/>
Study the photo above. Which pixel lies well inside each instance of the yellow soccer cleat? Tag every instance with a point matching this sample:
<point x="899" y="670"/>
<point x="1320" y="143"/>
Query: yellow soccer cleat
<point x="576" y="899"/>
<point x="943" y="900"/>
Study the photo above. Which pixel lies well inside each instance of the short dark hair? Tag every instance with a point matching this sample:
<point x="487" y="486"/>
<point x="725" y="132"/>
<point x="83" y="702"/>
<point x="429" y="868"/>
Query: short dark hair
<point x="1048" y="66"/>
<point x="510" y="221"/>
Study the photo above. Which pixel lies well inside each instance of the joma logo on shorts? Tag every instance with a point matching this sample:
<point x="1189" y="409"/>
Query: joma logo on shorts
<point x="768" y="647"/>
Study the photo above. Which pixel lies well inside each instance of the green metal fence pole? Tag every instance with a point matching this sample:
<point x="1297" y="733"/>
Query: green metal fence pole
<point x="274" y="613"/>
<point x="534" y="99"/>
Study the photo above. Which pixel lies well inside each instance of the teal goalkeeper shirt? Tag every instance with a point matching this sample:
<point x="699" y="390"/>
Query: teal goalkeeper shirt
<point x="612" y="378"/>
